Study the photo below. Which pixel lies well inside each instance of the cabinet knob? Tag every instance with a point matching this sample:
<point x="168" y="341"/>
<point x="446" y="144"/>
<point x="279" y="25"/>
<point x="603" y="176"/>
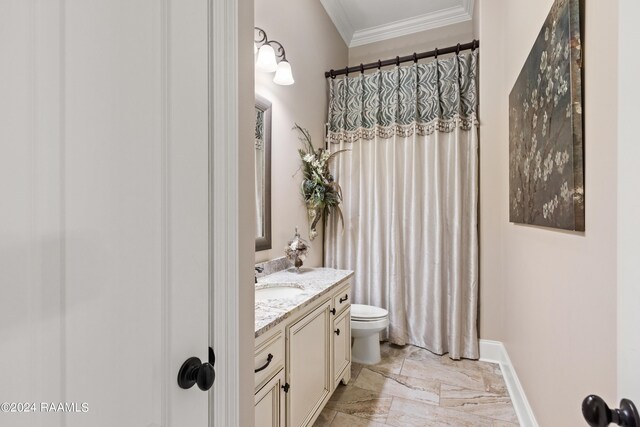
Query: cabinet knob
<point x="286" y="387"/>
<point x="333" y="311"/>
<point x="337" y="331"/>
<point x="346" y="297"/>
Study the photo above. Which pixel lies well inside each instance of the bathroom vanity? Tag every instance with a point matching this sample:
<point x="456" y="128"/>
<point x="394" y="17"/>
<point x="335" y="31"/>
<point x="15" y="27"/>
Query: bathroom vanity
<point x="303" y="344"/>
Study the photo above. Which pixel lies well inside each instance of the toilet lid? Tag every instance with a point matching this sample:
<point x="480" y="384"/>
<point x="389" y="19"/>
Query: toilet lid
<point x="367" y="312"/>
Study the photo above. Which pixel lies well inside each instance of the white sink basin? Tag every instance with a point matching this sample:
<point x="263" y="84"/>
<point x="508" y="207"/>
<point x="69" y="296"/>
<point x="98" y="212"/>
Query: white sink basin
<point x="277" y="291"/>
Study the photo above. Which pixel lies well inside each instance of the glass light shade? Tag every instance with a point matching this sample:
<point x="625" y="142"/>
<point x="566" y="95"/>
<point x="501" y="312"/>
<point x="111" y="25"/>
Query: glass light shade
<point x="266" y="59"/>
<point x="283" y="74"/>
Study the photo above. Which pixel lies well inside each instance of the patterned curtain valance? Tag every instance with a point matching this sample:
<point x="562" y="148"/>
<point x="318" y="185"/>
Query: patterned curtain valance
<point x="422" y="98"/>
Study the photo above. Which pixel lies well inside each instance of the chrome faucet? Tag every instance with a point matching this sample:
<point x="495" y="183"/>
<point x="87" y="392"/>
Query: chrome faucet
<point x="258" y="270"/>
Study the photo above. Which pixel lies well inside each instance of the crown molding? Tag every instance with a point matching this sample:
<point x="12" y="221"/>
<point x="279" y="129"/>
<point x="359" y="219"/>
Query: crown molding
<point x="340" y="19"/>
<point x="468" y="7"/>
<point x="440" y="18"/>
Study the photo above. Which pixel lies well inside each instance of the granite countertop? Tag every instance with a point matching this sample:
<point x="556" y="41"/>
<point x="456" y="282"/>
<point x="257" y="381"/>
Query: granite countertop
<point x="314" y="282"/>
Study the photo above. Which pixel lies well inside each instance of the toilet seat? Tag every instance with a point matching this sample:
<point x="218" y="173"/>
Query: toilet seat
<point x="367" y="313"/>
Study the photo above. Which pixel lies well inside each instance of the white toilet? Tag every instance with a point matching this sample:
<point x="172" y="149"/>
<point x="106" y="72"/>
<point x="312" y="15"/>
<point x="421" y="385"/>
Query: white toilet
<point x="366" y="324"/>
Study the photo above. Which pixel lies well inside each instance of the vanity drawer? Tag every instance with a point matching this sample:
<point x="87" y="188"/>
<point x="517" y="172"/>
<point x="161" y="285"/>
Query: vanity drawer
<point x="269" y="357"/>
<point x="342" y="298"/>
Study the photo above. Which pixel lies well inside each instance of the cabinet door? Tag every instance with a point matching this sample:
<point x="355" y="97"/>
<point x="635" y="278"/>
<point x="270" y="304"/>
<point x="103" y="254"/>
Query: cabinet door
<point x="269" y="404"/>
<point x="341" y="346"/>
<point x="308" y="365"/>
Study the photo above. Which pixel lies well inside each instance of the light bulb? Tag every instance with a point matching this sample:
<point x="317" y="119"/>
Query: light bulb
<point x="266" y="59"/>
<point x="283" y="74"/>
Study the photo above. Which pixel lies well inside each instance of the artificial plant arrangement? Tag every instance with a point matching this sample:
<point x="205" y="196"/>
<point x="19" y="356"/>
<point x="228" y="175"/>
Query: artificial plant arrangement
<point x="322" y="194"/>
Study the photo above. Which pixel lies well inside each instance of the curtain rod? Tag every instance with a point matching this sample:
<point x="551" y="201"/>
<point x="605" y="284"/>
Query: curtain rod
<point x="400" y="59"/>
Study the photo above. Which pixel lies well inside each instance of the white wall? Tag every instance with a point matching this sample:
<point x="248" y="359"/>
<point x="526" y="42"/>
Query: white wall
<point x="494" y="134"/>
<point x="313" y="45"/>
<point x="549" y="295"/>
<point x="628" y="204"/>
<point x="476" y="19"/>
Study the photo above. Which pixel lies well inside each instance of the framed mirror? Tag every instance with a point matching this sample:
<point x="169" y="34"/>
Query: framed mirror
<point x="263" y="173"/>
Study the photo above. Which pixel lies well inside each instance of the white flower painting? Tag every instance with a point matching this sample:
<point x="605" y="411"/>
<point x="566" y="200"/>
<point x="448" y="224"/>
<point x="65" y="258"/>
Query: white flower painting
<point x="546" y="171"/>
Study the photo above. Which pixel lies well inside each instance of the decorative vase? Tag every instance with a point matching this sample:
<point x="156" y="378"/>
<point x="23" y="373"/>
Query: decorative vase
<point x="296" y="250"/>
<point x="314" y="214"/>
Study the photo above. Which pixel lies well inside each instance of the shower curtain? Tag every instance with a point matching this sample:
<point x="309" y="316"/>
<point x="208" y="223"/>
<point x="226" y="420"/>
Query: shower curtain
<point x="410" y="195"/>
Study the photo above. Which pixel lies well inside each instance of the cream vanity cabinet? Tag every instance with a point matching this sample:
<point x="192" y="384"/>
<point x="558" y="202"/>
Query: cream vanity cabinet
<point x="306" y="356"/>
<point x="309" y="365"/>
<point x="270" y="380"/>
<point x="269" y="402"/>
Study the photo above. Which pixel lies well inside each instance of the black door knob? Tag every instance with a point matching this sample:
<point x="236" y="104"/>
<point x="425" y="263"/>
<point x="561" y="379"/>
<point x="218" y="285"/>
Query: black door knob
<point x="193" y="371"/>
<point x="597" y="413"/>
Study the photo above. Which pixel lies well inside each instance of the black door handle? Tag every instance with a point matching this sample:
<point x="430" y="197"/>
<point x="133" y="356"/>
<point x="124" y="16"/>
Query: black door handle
<point x="193" y="371"/>
<point x="346" y="297"/>
<point x="333" y="311"/>
<point x="337" y="331"/>
<point x="262" y="368"/>
<point x="597" y="413"/>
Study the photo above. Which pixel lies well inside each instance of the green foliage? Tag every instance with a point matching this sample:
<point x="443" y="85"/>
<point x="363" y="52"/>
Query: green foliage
<point x="319" y="189"/>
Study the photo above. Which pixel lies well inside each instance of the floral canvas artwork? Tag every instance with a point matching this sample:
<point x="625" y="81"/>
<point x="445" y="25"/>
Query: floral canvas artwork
<point x="546" y="168"/>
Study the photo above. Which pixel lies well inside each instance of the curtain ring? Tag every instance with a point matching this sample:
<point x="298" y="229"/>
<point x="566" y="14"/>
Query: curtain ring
<point x="458" y="49"/>
<point x="415" y="58"/>
<point x="362" y="68"/>
<point x="473" y="46"/>
<point x="332" y="74"/>
<point x="397" y="61"/>
<point x="436" y="55"/>
<point x="379" y="64"/>
<point x="346" y="71"/>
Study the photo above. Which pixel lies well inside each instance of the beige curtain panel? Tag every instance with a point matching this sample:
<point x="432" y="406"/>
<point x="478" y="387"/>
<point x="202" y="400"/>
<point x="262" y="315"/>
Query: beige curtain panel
<point x="410" y="200"/>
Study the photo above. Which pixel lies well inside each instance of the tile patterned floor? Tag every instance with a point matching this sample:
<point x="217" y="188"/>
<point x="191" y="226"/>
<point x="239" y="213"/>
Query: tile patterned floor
<point x="413" y="387"/>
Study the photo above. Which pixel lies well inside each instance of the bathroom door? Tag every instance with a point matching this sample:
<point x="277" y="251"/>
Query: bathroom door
<point x="103" y="211"/>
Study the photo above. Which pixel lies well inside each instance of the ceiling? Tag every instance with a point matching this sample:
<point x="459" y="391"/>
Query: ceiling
<point x="366" y="21"/>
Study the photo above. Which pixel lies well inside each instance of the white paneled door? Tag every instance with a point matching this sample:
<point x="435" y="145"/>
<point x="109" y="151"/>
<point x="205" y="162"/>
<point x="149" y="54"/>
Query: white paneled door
<point x="103" y="211"/>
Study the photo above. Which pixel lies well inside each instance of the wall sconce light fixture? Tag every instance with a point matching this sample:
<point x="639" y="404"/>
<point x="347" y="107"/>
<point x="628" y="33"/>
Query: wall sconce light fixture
<point x="268" y="58"/>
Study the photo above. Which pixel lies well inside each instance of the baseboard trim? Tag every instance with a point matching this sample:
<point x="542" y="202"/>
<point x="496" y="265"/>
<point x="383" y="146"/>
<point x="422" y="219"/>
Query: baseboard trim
<point x="495" y="352"/>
